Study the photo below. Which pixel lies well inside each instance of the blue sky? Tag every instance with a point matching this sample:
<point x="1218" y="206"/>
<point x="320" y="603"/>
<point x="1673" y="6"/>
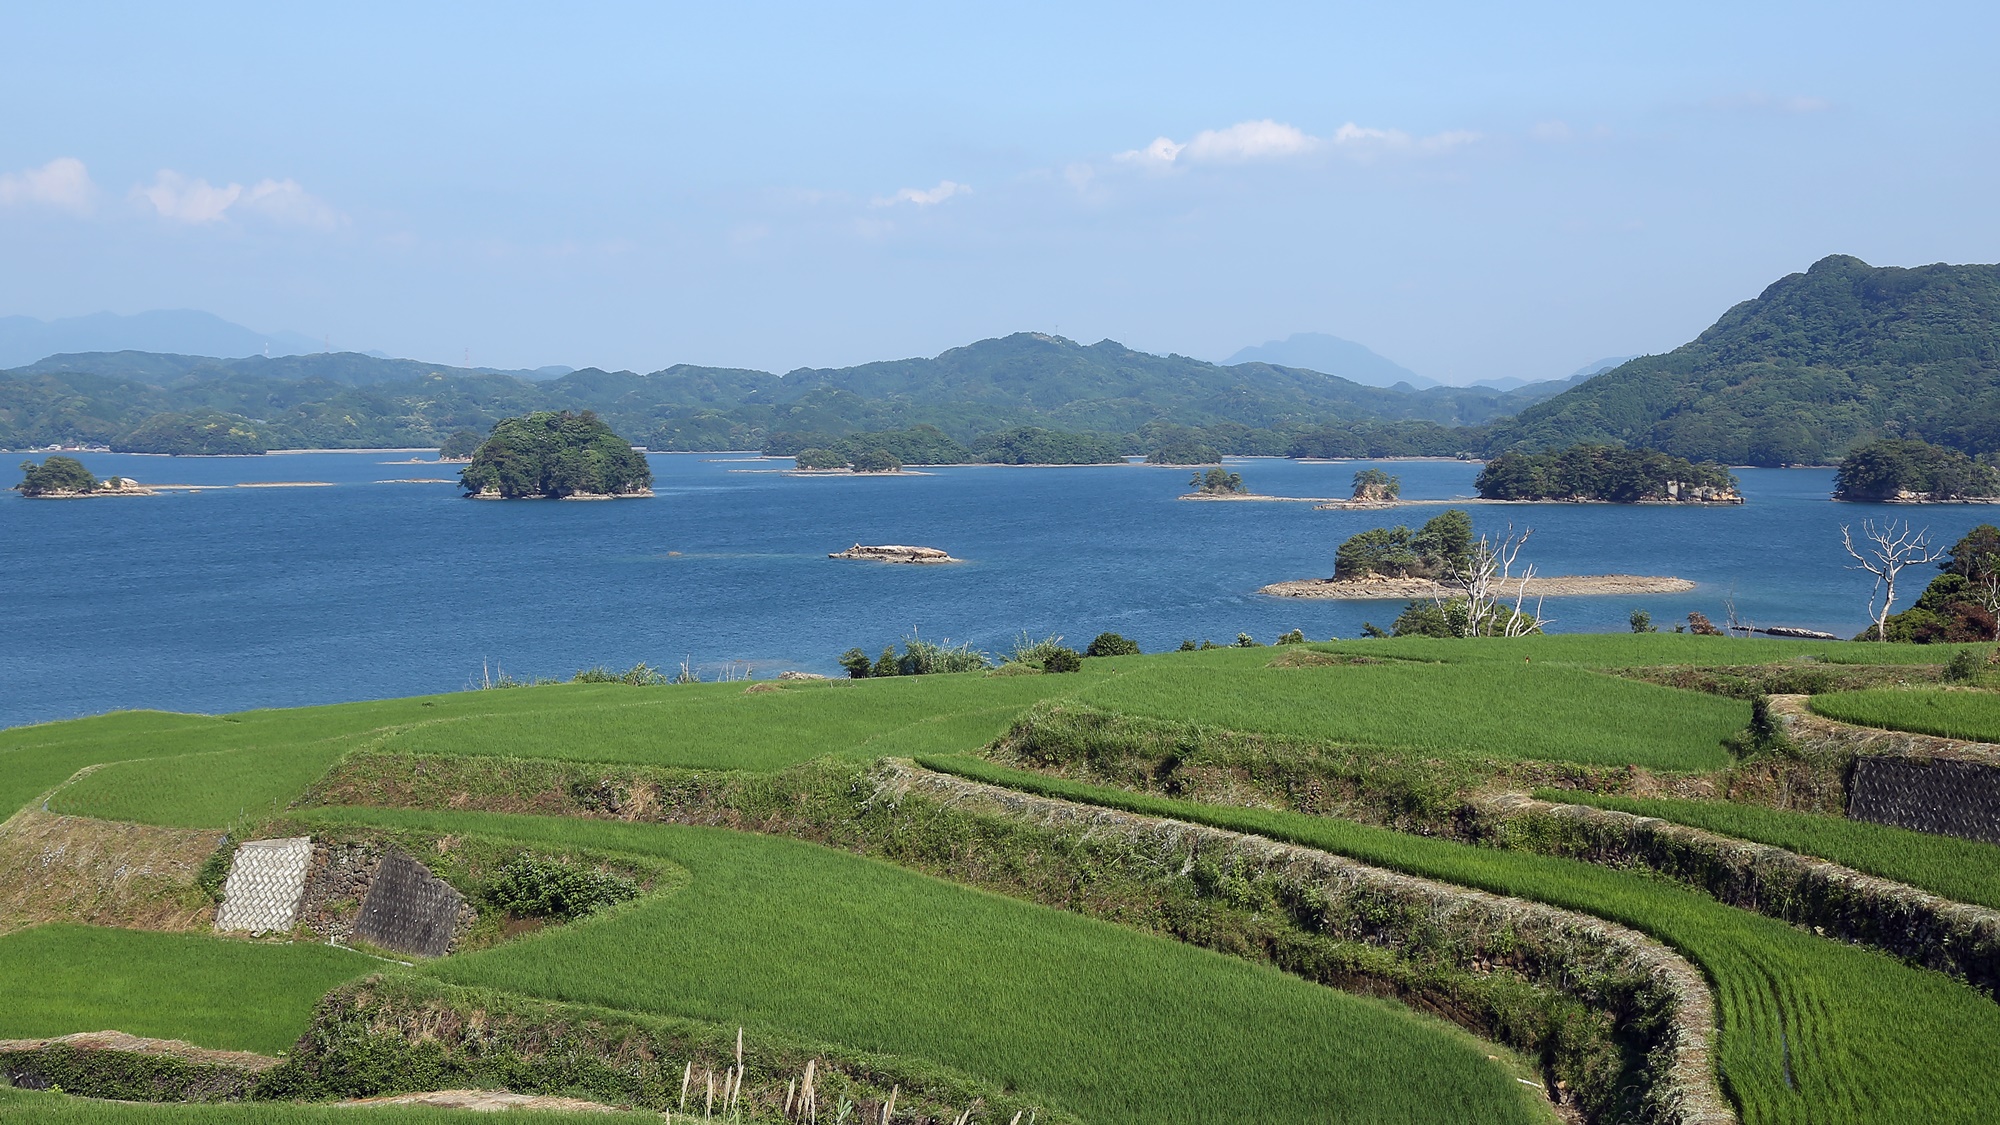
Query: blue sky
<point x="1474" y="192"/>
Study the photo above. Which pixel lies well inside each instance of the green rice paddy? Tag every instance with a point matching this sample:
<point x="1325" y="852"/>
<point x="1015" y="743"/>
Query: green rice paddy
<point x="1960" y="870"/>
<point x="1812" y="1030"/>
<point x="1945" y="712"/>
<point x="1109" y="1023"/>
<point x="215" y="992"/>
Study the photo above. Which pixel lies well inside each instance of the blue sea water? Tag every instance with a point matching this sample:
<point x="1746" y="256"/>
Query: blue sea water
<point x="234" y="598"/>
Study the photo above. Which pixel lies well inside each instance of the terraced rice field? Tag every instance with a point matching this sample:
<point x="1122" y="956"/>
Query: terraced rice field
<point x="1813" y="1031"/>
<point x="1946" y="712"/>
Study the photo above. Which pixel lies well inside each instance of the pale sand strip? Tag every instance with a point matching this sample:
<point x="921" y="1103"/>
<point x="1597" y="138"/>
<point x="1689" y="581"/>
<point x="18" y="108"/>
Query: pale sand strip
<point x="1399" y="589"/>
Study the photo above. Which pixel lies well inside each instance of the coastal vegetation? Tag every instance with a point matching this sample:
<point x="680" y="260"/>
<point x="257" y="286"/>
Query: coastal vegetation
<point x="1185" y="451"/>
<point x="460" y="446"/>
<point x="1374" y="485"/>
<point x="195" y="433"/>
<point x="1216" y="482"/>
<point x="56" y="474"/>
<point x="1604" y="472"/>
<point x="1441" y="547"/>
<point x="1960" y="605"/>
<point x="1916" y="471"/>
<point x="555" y="455"/>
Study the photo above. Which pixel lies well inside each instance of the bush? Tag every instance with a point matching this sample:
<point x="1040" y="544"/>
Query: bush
<point x="1963" y="667"/>
<point x="887" y="664"/>
<point x="924" y="658"/>
<point x="1036" y="652"/>
<point x="1112" y="644"/>
<point x="1245" y="640"/>
<point x="540" y="887"/>
<point x="638" y="675"/>
<point x="819" y="459"/>
<point x="1062" y="660"/>
<point x="1295" y="637"/>
<point x="1642" y="622"/>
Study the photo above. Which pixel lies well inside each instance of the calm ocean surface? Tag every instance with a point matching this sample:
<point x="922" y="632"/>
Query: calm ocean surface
<point x="236" y="598"/>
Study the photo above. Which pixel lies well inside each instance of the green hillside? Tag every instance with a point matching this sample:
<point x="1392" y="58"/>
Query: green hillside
<point x="1818" y="363"/>
<point x="338" y="400"/>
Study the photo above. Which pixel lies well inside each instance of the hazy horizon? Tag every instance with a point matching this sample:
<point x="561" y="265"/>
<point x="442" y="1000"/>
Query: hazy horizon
<point x="1474" y="194"/>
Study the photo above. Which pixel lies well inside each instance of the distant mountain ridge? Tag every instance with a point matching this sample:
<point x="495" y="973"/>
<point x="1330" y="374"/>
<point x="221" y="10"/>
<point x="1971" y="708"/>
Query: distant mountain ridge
<point x="1318" y="351"/>
<point x="1028" y="379"/>
<point x="23" y="339"/>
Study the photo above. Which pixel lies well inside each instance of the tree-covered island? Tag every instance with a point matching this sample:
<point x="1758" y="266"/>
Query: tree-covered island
<point x="1908" y="471"/>
<point x="1441" y="547"/>
<point x="555" y="455"/>
<point x="1607" y="473"/>
<point x="58" y="477"/>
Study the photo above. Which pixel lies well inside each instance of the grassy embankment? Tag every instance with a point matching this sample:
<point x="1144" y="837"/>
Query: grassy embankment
<point x="54" y="1109"/>
<point x="1812" y="1030"/>
<point x="1947" y="713"/>
<point x="1961" y="870"/>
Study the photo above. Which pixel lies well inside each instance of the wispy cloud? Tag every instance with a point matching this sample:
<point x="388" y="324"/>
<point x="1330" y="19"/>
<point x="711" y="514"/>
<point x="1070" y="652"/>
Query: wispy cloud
<point x="198" y="202"/>
<point x="62" y="183"/>
<point x="925" y="197"/>
<point x="1273" y="140"/>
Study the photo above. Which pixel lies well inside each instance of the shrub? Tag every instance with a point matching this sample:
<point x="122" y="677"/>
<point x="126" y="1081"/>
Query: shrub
<point x="1245" y="640"/>
<point x="923" y="658"/>
<point x="1295" y="637"/>
<point x="1062" y="660"/>
<point x="1642" y="622"/>
<point x="1036" y="652"/>
<point x="1112" y="644"/>
<point x="858" y="666"/>
<point x="540" y="887"/>
<point x="819" y="459"/>
<point x="887" y="664"/>
<point x="1963" y="667"/>
<point x="638" y="675"/>
<point x="1701" y="626"/>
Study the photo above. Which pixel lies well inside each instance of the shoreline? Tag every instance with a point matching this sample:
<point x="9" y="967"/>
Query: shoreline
<point x="1404" y="589"/>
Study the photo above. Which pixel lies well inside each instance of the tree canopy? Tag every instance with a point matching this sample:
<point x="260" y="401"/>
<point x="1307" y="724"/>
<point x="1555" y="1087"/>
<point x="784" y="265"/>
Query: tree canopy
<point x="1442" y="546"/>
<point x="55" y="474"/>
<point x="1602" y="472"/>
<point x="1893" y="468"/>
<point x="555" y="454"/>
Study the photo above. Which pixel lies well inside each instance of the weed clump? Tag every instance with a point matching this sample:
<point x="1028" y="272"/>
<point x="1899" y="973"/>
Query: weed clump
<point x="540" y="887"/>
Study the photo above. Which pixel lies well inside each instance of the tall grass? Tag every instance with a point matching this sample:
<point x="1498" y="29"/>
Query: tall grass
<point x="1960" y="870"/>
<point x="1500" y="710"/>
<point x="1812" y="1030"/>
<point x="1112" y="1024"/>
<point x="214" y="992"/>
<point x="1973" y="715"/>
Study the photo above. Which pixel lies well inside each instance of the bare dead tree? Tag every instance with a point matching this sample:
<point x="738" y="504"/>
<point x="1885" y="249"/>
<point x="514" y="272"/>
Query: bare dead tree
<point x="1485" y="583"/>
<point x="1884" y="552"/>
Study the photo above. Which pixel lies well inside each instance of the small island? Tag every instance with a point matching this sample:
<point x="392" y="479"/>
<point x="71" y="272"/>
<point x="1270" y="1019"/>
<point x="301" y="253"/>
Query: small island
<point x="1606" y="474"/>
<point x="556" y="456"/>
<point x="1216" y="484"/>
<point x="874" y="460"/>
<point x="894" y="554"/>
<point x="1908" y="471"/>
<point x="1394" y="563"/>
<point x="65" y="478"/>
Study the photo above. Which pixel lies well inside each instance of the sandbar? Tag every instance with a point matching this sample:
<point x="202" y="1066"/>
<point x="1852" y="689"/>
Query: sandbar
<point x="1403" y="589"/>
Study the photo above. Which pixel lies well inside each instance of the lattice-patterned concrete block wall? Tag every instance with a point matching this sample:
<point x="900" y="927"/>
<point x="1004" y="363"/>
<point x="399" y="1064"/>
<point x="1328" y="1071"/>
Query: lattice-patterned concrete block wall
<point x="1941" y="796"/>
<point x="410" y="910"/>
<point x="266" y="882"/>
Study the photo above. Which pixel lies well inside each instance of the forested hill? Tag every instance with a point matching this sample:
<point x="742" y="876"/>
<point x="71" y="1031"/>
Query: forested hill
<point x="347" y="400"/>
<point x="1819" y="362"/>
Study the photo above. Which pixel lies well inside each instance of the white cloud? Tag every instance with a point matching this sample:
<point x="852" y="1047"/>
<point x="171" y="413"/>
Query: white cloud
<point x="1552" y="131"/>
<point x="197" y="202"/>
<point x="926" y="198"/>
<point x="1273" y="140"/>
<point x="63" y="183"/>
